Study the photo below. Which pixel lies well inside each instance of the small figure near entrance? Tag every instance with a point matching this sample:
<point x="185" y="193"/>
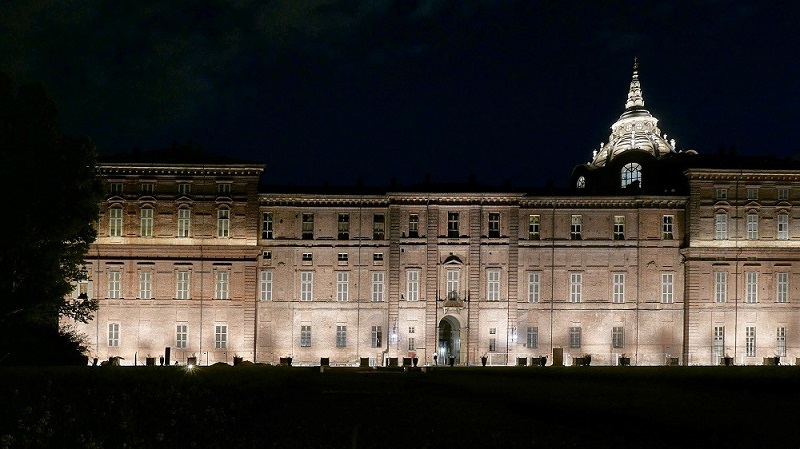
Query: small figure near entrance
<point x="434" y="359"/>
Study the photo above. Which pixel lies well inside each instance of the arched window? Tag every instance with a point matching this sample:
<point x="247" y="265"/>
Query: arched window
<point x="581" y="184"/>
<point x="631" y="172"/>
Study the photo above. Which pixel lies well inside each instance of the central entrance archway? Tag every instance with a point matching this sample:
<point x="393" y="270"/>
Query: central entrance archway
<point x="449" y="340"/>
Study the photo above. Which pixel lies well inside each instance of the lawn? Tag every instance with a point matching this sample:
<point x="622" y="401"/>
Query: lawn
<point x="267" y="406"/>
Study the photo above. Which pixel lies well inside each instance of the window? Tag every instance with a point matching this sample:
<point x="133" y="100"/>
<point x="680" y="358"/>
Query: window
<point x="750" y="341"/>
<point x="780" y="342"/>
<point x="581" y="182"/>
<point x="342" y="257"/>
<point x="412" y="344"/>
<point x="342" y="285"/>
<point x="266" y="255"/>
<point x="783" y="194"/>
<point x="343" y="227"/>
<point x="114" y="284"/>
<point x="223" y="189"/>
<point x="184" y="222"/>
<point x="221" y="336"/>
<point x="575" y="228"/>
<point x="378" y="227"/>
<point x="115" y="221"/>
<point x="533" y="227"/>
<point x="720" y="286"/>
<point x="752" y="287"/>
<point x="113" y="335"/>
<point x="413" y="225"/>
<point x="147" y="188"/>
<point x="494" y="225"/>
<point x="308" y="227"/>
<point x="533" y="337"/>
<point x="493" y="285"/>
<point x="223" y="223"/>
<point x="222" y="284"/>
<point x="575" y="337"/>
<point x="182" y="285"/>
<point x="722" y="193"/>
<point x="265" y="288"/>
<point x="412" y="285"/>
<point x="145" y="285"/>
<point x="575" y="286"/>
<point x="617" y="337"/>
<point x="377" y="286"/>
<point x="306" y="285"/>
<point x="341" y="336"/>
<point x="492" y="344"/>
<point x="667" y="288"/>
<point x="782" y="294"/>
<point x="308" y="257"/>
<point x="783" y="226"/>
<point x="631" y="173"/>
<point x="305" y="336"/>
<point x="452" y="224"/>
<point x="752" y="226"/>
<point x="377" y="336"/>
<point x="719" y="343"/>
<point x="181" y="335"/>
<point x="752" y="193"/>
<point x="266" y="225"/>
<point x="619" y="227"/>
<point x="184" y="188"/>
<point x="721" y="226"/>
<point x="534" y="286"/>
<point x="377" y="257"/>
<point x="667" y="222"/>
<point x="146" y="228"/>
<point x="619" y="288"/>
<point x="452" y="284"/>
<point x="115" y="188"/>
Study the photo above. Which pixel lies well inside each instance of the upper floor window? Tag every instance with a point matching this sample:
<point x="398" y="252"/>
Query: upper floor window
<point x="533" y="227"/>
<point x="266" y="225"/>
<point x="265" y="288"/>
<point x="720" y="286"/>
<point x="575" y="287"/>
<point x="783" y="226"/>
<point x="113" y="335"/>
<point x="619" y="288"/>
<point x="412" y="285"/>
<point x="342" y="285"/>
<point x="619" y="227"/>
<point x="306" y="285"/>
<point x="223" y="223"/>
<point x="493" y="285"/>
<point x="413" y="225"/>
<point x="146" y="224"/>
<point x="377" y="286"/>
<point x="184" y="188"/>
<point x="308" y="227"/>
<point x="182" y="285"/>
<point x="782" y="286"/>
<point x="534" y="286"/>
<point x="222" y="284"/>
<point x="452" y="224"/>
<point x="147" y="188"/>
<point x="114" y="284"/>
<point x="751" y="286"/>
<point x="752" y="226"/>
<point x="667" y="222"/>
<point x="783" y="194"/>
<point x="452" y="284"/>
<point x="752" y="193"/>
<point x="667" y="288"/>
<point x="115" y="188"/>
<point x="223" y="189"/>
<point x="184" y="222"/>
<point x="378" y="227"/>
<point x="631" y="173"/>
<point x="115" y="221"/>
<point x="721" y="226"/>
<point x="576" y="228"/>
<point x="343" y="227"/>
<point x="494" y="225"/>
<point x="721" y="193"/>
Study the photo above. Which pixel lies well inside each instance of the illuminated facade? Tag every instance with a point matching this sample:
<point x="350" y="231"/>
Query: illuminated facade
<point x="654" y="255"/>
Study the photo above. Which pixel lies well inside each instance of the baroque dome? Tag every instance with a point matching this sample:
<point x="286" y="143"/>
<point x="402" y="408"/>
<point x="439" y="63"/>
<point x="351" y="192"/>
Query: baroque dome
<point x="636" y="129"/>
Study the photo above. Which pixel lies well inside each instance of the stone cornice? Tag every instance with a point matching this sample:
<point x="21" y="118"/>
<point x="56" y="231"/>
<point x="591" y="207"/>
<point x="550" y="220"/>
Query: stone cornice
<point x="718" y="174"/>
<point x="606" y="202"/>
<point x="271" y="199"/>
<point x="110" y="170"/>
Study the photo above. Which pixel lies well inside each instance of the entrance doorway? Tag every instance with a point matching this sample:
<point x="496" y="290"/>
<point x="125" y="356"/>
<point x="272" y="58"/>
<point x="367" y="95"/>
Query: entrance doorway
<point x="449" y="340"/>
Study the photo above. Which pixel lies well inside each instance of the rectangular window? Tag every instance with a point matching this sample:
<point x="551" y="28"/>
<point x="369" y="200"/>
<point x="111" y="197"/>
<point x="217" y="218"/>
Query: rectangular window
<point x="222" y="284"/>
<point x="378" y="227"/>
<point x="667" y="222"/>
<point x="493" y="285"/>
<point x="113" y="335"/>
<point x="492" y="344"/>
<point x="265" y="288"/>
<point x="377" y="257"/>
<point x="452" y="284"/>
<point x="617" y="337"/>
<point x="534" y="287"/>
<point x="145" y="285"/>
<point x="750" y="341"/>
<point x="221" y="336"/>
<point x="182" y="285"/>
<point x="266" y="225"/>
<point x="720" y="286"/>
<point x="413" y="225"/>
<point x="223" y="223"/>
<point x="752" y="193"/>
<point x="147" y="188"/>
<point x="305" y="336"/>
<point x="114" y="278"/>
<point x="184" y="188"/>
<point x="533" y="337"/>
<point x="412" y="285"/>
<point x="667" y="288"/>
<point x="575" y="337"/>
<point x="780" y="342"/>
<point x="576" y="228"/>
<point x="115" y="188"/>
<point x="719" y="343"/>
<point x="619" y="288"/>
<point x="782" y="282"/>
<point x="721" y="226"/>
<point x="115" y="222"/>
<point x="533" y="227"/>
<point x="377" y="286"/>
<point x="752" y="287"/>
<point x="452" y="224"/>
<point x="722" y="193"/>
<point x="377" y="336"/>
<point x="181" y="335"/>
<point x="306" y="285"/>
<point x="619" y="227"/>
<point x="308" y="257"/>
<point x="342" y="285"/>
<point x="308" y="227"/>
<point x="342" y="257"/>
<point x="146" y="226"/>
<point x="223" y="189"/>
<point x="343" y="227"/>
<point x="575" y="287"/>
<point x="783" y="226"/>
<point x="184" y="222"/>
<point x="752" y="226"/>
<point x="783" y="194"/>
<point x="341" y="336"/>
<point x="412" y="344"/>
<point x="494" y="225"/>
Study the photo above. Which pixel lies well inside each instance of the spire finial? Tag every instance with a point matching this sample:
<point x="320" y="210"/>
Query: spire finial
<point x="635" y="65"/>
<point x="635" y="93"/>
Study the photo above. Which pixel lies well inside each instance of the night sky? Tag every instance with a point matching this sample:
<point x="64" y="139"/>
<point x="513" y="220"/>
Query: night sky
<point x="330" y="91"/>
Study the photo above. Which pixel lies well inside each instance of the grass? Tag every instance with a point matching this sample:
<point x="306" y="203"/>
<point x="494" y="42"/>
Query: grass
<point x="266" y="406"/>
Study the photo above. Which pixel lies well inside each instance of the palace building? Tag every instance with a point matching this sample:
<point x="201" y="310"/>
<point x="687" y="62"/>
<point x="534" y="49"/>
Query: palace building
<point x="653" y="256"/>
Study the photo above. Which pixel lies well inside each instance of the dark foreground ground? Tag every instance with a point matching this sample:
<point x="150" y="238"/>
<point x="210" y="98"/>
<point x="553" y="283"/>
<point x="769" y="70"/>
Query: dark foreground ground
<point x="265" y="406"/>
